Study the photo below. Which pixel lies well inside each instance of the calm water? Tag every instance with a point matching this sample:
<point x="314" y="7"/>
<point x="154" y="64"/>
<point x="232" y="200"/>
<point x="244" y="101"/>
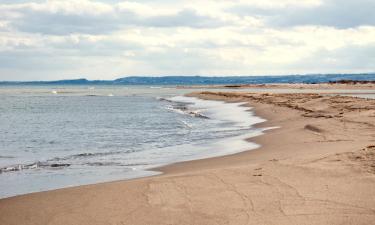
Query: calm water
<point x="54" y="137"/>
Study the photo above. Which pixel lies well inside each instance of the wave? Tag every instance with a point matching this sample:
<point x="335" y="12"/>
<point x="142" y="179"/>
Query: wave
<point x="59" y="162"/>
<point x="86" y="155"/>
<point x="104" y="164"/>
<point x="183" y="108"/>
<point x="6" y="157"/>
<point x="35" y="165"/>
<point x="186" y="111"/>
<point x="47" y="165"/>
<point x="163" y="99"/>
<point x="174" y="101"/>
<point x="54" y="165"/>
<point x="99" y="95"/>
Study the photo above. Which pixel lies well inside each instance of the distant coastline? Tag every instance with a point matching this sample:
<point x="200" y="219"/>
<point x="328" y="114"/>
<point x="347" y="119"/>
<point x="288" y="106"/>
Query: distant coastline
<point x="203" y="80"/>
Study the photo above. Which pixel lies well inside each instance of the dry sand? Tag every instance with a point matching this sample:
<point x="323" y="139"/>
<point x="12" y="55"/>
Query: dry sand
<point x="317" y="168"/>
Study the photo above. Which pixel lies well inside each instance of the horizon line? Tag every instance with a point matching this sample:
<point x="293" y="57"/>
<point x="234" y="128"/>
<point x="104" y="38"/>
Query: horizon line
<point x="165" y="76"/>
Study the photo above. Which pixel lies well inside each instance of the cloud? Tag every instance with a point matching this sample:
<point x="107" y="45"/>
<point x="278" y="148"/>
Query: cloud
<point x="348" y="59"/>
<point x="341" y="14"/>
<point x="60" y="17"/>
<point x="184" y="18"/>
<point x="87" y="17"/>
<point x="105" y="39"/>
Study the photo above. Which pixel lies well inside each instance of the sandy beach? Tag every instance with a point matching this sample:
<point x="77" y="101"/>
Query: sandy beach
<point x="318" y="167"/>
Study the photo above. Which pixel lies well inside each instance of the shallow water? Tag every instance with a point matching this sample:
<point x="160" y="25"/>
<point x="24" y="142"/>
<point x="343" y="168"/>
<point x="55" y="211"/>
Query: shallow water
<point x="54" y="137"/>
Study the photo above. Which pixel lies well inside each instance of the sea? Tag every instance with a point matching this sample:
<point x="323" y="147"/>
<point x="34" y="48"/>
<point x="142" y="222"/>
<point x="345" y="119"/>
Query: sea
<point x="53" y="137"/>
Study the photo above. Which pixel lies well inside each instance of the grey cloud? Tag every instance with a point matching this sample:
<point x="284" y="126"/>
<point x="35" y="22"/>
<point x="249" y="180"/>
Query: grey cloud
<point x="176" y="61"/>
<point x="351" y="58"/>
<point x="56" y="56"/>
<point x="334" y="13"/>
<point x="62" y="23"/>
<point x="186" y="18"/>
<point x="340" y="14"/>
<point x="100" y="48"/>
<point x="32" y="60"/>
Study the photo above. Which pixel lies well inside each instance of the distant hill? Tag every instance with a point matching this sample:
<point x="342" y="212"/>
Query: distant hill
<point x="202" y="80"/>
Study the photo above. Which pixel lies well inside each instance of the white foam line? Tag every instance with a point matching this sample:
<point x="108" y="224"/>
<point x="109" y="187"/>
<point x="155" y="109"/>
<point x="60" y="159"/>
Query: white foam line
<point x="232" y="112"/>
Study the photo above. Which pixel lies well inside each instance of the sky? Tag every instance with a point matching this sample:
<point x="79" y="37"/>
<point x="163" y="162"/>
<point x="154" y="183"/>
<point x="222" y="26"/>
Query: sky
<point x="108" y="39"/>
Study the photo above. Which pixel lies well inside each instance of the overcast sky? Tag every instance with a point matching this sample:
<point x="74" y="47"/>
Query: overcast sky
<point x="107" y="39"/>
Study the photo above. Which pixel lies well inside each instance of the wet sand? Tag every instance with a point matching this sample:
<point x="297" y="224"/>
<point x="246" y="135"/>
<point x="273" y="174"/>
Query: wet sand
<point x="317" y="168"/>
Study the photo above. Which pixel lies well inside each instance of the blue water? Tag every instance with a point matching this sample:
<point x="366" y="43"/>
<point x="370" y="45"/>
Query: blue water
<point x="55" y="137"/>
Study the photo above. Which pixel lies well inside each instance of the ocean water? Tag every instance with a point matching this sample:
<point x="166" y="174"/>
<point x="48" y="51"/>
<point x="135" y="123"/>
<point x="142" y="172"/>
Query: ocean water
<point x="53" y="137"/>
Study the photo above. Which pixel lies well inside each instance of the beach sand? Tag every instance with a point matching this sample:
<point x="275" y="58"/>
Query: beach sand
<point x="317" y="168"/>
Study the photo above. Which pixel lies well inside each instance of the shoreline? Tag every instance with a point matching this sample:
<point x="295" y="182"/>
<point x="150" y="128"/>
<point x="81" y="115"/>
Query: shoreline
<point x="158" y="170"/>
<point x="189" y="166"/>
<point x="307" y="169"/>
